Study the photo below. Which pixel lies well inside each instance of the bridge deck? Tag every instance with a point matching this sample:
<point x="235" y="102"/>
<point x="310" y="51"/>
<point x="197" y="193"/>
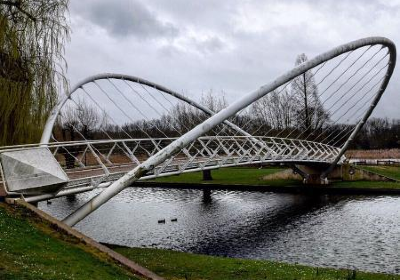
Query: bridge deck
<point x="92" y="164"/>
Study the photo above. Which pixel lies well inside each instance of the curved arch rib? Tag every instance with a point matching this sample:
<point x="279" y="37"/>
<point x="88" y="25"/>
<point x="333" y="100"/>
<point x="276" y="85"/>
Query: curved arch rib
<point x="56" y="111"/>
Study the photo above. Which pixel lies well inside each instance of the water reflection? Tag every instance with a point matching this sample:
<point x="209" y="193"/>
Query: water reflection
<point x="323" y="230"/>
<point x="207" y="197"/>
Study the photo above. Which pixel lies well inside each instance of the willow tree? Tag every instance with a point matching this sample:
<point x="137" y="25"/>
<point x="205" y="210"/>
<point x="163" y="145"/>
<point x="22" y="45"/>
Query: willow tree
<point x="32" y="37"/>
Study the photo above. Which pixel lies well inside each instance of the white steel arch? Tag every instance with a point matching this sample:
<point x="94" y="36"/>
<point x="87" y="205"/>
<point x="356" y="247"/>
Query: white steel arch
<point x="234" y="108"/>
<point x="48" y="129"/>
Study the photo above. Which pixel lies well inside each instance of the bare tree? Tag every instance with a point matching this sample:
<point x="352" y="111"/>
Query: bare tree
<point x="82" y="119"/>
<point x="309" y="109"/>
<point x="88" y="118"/>
<point x="213" y="102"/>
<point x="185" y="116"/>
<point x="275" y="109"/>
<point x="79" y="121"/>
<point x="68" y="123"/>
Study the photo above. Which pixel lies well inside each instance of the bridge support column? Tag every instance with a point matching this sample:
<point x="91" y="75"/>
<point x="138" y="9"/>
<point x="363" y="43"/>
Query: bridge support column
<point x="312" y="173"/>
<point x="207" y="175"/>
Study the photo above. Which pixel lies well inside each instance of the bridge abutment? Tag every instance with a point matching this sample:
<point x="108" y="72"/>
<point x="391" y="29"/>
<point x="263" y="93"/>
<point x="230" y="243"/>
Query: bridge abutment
<point x="311" y="174"/>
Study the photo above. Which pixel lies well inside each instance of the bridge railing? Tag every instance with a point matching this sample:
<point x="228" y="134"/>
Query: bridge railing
<point x="107" y="157"/>
<point x="90" y="164"/>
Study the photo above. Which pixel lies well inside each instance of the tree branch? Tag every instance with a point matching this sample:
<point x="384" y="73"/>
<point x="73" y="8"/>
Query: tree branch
<point x="18" y="6"/>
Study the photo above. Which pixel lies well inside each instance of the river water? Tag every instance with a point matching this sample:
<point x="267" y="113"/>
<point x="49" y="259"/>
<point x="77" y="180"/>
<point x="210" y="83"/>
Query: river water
<point x="353" y="232"/>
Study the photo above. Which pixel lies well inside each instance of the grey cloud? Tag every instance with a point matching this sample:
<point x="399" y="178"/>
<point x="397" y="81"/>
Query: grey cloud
<point x="209" y="51"/>
<point x="124" y="18"/>
<point x="209" y="45"/>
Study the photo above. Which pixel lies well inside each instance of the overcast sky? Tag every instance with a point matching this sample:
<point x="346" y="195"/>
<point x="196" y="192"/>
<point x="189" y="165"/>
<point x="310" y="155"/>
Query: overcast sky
<point x="230" y="46"/>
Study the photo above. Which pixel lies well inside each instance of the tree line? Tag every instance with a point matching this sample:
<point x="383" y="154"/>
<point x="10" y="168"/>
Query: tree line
<point x="271" y="116"/>
<point x="379" y="133"/>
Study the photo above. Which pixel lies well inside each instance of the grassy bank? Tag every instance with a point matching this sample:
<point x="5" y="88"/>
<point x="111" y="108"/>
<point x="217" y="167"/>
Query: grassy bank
<point x="31" y="249"/>
<point x="388" y="171"/>
<point x="232" y="176"/>
<point x="255" y="176"/>
<point x="177" y="265"/>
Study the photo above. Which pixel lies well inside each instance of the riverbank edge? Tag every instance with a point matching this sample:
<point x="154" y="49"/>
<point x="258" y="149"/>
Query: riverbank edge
<point x="362" y="168"/>
<point x="188" y="263"/>
<point x="298" y="189"/>
<point x="60" y="226"/>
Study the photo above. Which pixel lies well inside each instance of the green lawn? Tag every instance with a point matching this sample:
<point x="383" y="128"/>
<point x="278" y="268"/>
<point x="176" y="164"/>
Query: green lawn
<point x="388" y="171"/>
<point x="253" y="176"/>
<point x="177" y="265"/>
<point x="33" y="250"/>
<point x="232" y="176"/>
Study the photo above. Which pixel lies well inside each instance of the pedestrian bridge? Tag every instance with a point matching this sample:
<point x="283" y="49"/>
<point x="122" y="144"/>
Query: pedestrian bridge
<point x="111" y="130"/>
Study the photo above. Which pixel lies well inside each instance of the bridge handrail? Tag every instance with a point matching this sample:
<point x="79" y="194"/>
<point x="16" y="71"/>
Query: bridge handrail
<point x="106" y="141"/>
